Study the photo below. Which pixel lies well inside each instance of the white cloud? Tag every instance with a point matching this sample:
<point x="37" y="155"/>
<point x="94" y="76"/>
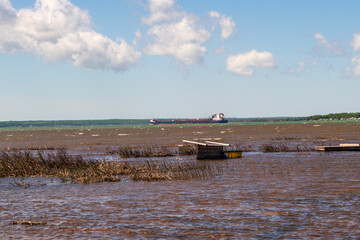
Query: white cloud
<point x="214" y="14"/>
<point x="227" y="27"/>
<point x="356" y="42"/>
<point x="356" y="65"/>
<point x="162" y="10"/>
<point x="330" y="47"/>
<point x="181" y="40"/>
<point x="58" y="30"/>
<point x="243" y="63"/>
<point x="178" y="34"/>
<point x="7" y="12"/>
<point x="226" y="23"/>
<point x="354" y="68"/>
<point x="301" y="67"/>
<point x="138" y="36"/>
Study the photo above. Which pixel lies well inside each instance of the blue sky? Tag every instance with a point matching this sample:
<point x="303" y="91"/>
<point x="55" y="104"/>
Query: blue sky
<point x="80" y="59"/>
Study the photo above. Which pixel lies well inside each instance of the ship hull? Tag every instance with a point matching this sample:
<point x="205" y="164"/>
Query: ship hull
<point x="187" y="121"/>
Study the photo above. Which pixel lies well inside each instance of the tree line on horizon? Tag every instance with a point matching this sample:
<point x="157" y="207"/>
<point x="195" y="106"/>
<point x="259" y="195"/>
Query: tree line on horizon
<point x="336" y="116"/>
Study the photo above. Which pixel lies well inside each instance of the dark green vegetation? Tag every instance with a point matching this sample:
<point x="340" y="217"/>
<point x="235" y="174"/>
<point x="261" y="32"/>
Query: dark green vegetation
<point x="76" y="169"/>
<point x="331" y="116"/>
<point x="336" y="116"/>
<point x="134" y="122"/>
<point x="74" y="123"/>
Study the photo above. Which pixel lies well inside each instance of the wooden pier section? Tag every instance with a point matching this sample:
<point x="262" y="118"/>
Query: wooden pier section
<point x="341" y="147"/>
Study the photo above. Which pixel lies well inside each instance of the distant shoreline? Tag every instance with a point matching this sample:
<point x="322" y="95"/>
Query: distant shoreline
<point x="332" y="117"/>
<point x="94" y="124"/>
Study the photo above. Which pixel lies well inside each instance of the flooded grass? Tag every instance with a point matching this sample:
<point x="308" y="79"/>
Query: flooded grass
<point x="150" y="170"/>
<point x="27" y="163"/>
<point x="76" y="169"/>
<point x="140" y="152"/>
<point x="150" y="151"/>
<point x="281" y="147"/>
<point x="186" y="150"/>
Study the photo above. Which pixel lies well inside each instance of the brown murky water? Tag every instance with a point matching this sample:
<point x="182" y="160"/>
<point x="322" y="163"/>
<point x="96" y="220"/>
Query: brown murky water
<point x="262" y="195"/>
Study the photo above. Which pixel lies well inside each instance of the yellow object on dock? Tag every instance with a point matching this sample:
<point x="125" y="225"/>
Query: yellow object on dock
<point x="232" y="153"/>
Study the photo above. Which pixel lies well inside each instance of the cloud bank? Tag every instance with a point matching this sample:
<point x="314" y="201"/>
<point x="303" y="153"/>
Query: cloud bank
<point x="243" y="63"/>
<point x="59" y="31"/>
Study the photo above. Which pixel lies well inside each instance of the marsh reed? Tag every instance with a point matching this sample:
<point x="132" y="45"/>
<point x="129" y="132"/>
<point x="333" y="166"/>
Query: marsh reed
<point x="147" y="152"/>
<point x="77" y="169"/>
<point x="281" y="147"/>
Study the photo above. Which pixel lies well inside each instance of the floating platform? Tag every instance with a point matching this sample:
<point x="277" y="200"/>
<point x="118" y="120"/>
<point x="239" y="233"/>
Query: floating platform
<point x="341" y="147"/>
<point x="214" y="150"/>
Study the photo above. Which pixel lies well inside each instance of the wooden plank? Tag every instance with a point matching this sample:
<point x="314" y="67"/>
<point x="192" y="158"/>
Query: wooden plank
<point x="349" y="145"/>
<point x="219" y="144"/>
<point x="337" y="148"/>
<point x="193" y="142"/>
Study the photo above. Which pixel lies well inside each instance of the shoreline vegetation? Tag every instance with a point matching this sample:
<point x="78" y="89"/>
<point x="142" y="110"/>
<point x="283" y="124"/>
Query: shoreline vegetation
<point x="332" y="117"/>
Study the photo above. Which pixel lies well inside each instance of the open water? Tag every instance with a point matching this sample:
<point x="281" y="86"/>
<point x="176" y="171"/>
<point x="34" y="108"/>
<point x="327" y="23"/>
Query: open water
<point x="262" y="195"/>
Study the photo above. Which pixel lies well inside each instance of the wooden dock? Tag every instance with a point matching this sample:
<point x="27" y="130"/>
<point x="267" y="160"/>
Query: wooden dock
<point x="341" y="147"/>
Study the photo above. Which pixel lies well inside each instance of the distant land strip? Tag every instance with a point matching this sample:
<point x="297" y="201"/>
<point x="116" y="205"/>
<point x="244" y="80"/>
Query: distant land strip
<point x="134" y="122"/>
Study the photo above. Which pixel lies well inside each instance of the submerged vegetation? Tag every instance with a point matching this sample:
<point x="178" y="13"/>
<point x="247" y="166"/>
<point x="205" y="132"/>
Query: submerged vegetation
<point x="76" y="169"/>
<point x="154" y="151"/>
<point x="281" y="147"/>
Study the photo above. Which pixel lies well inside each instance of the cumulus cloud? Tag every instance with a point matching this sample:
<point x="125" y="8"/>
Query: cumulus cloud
<point x="59" y="30"/>
<point x="330" y="47"/>
<point x="162" y="10"/>
<point x="181" y="40"/>
<point x="175" y="33"/>
<point x="226" y="23"/>
<point x="243" y="63"/>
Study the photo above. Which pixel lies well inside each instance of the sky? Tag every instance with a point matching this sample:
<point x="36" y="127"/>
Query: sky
<point x="138" y="59"/>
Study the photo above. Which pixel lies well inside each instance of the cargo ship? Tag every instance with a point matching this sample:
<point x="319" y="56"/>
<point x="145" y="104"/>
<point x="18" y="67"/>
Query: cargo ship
<point x="216" y="118"/>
